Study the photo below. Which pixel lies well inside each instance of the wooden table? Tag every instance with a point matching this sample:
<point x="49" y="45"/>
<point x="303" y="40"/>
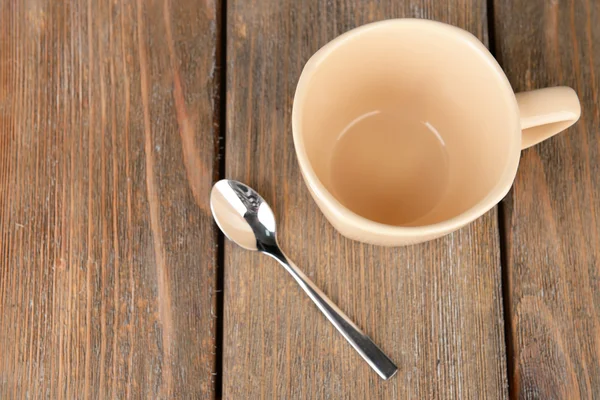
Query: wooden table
<point x="116" y="117"/>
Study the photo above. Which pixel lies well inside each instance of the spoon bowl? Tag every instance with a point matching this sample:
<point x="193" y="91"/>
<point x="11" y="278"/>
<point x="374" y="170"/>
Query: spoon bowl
<point x="242" y="214"/>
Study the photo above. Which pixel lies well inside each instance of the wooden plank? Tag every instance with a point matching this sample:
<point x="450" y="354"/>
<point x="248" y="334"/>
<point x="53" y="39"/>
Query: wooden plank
<point x="436" y="308"/>
<point x="107" y="155"/>
<point x="552" y="215"/>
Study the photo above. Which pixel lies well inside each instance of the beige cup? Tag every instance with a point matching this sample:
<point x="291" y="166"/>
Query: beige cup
<point x="406" y="130"/>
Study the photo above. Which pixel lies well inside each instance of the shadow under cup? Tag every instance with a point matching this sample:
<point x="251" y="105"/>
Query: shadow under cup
<point x="406" y="125"/>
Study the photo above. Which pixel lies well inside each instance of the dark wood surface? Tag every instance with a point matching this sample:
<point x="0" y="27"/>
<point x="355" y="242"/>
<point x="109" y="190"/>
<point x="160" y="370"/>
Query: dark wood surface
<point x="552" y="216"/>
<point x="107" y="156"/>
<point x="110" y="117"/>
<point x="435" y="308"/>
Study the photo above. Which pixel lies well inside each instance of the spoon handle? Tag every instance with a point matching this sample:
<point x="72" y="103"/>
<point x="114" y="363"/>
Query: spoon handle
<point x="361" y="342"/>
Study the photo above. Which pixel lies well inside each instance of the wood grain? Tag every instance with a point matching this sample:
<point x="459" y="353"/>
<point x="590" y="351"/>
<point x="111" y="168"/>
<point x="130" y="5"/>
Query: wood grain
<point x="107" y="156"/>
<point x="436" y="308"/>
<point x="552" y="215"/>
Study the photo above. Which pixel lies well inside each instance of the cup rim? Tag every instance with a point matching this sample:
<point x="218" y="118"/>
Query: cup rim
<point x="495" y="195"/>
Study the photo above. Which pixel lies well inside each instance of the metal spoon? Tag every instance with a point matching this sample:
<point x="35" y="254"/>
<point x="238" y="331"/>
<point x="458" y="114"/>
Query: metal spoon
<point x="246" y="219"/>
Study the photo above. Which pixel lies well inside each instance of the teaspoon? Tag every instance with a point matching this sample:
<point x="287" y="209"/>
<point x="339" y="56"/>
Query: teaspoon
<point x="246" y="219"/>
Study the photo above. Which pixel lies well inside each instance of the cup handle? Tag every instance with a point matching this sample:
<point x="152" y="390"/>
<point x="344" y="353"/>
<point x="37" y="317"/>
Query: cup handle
<point x="546" y="112"/>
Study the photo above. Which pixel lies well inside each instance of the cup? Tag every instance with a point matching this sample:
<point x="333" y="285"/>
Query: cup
<point x="406" y="130"/>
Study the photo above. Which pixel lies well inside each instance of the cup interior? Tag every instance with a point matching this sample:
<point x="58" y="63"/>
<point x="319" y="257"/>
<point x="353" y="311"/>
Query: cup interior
<point x="408" y="123"/>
